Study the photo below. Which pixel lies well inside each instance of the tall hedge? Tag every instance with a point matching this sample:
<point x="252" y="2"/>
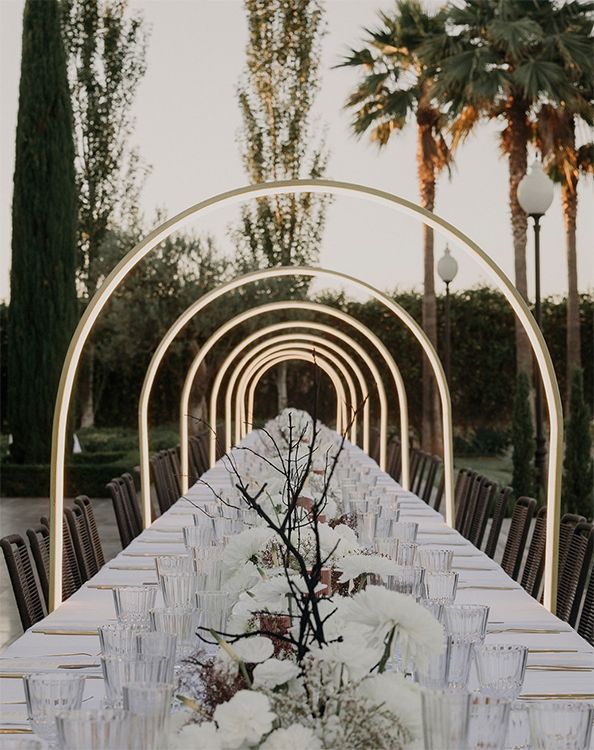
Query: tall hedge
<point x="43" y="304"/>
<point x="523" y="440"/>
<point x="578" y="478"/>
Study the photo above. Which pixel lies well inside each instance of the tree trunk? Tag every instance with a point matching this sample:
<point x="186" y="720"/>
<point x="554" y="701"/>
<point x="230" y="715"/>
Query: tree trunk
<point x="87" y="384"/>
<point x="517" y="147"/>
<point x="281" y="387"/>
<point x="573" y="344"/>
<point x="430" y="426"/>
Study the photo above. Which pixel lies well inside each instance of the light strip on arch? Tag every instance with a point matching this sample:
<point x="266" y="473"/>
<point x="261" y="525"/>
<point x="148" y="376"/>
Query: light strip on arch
<point x="131" y="259"/>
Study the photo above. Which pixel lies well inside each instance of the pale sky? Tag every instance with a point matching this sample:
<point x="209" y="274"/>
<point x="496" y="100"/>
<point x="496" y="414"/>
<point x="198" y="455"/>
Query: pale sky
<point x="186" y="124"/>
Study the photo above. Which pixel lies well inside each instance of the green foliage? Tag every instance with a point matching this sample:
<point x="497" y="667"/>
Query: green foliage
<point x="43" y="306"/>
<point x="578" y="475"/>
<point x="277" y="140"/>
<point x="523" y="440"/>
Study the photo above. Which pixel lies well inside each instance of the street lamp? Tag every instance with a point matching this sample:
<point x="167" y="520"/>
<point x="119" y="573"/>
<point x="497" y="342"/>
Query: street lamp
<point x="535" y="195"/>
<point x="447" y="268"/>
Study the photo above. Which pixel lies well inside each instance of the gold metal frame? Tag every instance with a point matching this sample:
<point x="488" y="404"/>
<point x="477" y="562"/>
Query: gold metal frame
<point x="130" y="260"/>
<point x="315" y="307"/>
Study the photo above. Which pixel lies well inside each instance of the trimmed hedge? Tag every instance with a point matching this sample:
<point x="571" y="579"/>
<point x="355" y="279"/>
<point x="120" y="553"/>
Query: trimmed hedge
<point x="21" y="480"/>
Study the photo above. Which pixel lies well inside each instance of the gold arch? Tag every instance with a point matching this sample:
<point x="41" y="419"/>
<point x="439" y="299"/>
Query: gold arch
<point x="130" y="260"/>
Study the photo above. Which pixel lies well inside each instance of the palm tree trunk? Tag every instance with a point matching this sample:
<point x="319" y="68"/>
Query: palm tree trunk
<point x="569" y="202"/>
<point x="517" y="148"/>
<point x="430" y="423"/>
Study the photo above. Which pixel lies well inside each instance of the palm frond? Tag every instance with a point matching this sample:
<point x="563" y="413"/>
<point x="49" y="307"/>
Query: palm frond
<point x="517" y="38"/>
<point x="538" y="77"/>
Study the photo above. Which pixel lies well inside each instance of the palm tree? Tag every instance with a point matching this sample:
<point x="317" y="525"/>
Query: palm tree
<point x="395" y="89"/>
<point x="502" y="59"/>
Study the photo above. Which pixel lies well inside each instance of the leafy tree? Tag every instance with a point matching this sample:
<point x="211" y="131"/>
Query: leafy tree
<point x="522" y="440"/>
<point x="578" y="478"/>
<point x="502" y="59"/>
<point x="277" y="142"/>
<point x="395" y="89"/>
<point x="106" y="46"/>
<point x="43" y="304"/>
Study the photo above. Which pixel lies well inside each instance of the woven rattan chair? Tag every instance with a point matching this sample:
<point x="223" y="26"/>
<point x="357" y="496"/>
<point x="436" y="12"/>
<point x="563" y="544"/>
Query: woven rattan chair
<point x="578" y="565"/>
<point x="585" y="625"/>
<point x="25" y="586"/>
<point x="567" y="525"/>
<point x="414" y="459"/>
<point x="473" y="494"/>
<point x="534" y="566"/>
<point x="502" y="498"/>
<point x="428" y="489"/>
<point x="438" y="497"/>
<point x="394" y="463"/>
<point x="160" y="471"/>
<point x="86" y="506"/>
<point x="421" y="472"/>
<point x="483" y="506"/>
<point x="462" y="492"/>
<point x="517" y="536"/>
<point x="374" y="442"/>
<point x="173" y="455"/>
<point x="131" y="497"/>
<point x="83" y="548"/>
<point x="116" y="492"/>
<point x="40" y="544"/>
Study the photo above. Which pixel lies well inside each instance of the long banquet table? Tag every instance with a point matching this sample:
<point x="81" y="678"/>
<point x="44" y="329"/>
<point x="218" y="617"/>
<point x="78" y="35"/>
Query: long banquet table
<point x="68" y="635"/>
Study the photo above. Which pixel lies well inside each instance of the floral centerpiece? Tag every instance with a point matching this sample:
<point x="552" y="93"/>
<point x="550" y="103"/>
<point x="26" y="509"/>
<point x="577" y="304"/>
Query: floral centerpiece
<point x="306" y="659"/>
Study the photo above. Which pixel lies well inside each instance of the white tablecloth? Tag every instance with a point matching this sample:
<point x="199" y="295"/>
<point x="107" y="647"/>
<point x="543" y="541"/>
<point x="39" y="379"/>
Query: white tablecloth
<point x="481" y="582"/>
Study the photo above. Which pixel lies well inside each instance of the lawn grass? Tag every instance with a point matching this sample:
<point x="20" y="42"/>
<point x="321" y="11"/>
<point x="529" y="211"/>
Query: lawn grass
<point x="498" y="468"/>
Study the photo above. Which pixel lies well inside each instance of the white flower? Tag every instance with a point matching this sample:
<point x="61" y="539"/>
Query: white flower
<point x="244" y="546"/>
<point x="355" y="565"/>
<point x="242" y="579"/>
<point x="378" y="611"/>
<point x="295" y="737"/>
<point x="254" y="650"/>
<point x="352" y="657"/>
<point x="193" y="736"/>
<point x="244" y="719"/>
<point x="400" y="696"/>
<point x="274" y="672"/>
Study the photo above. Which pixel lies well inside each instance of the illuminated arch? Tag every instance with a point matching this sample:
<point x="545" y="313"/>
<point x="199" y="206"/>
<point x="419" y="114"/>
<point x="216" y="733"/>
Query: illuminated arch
<point x="131" y="259"/>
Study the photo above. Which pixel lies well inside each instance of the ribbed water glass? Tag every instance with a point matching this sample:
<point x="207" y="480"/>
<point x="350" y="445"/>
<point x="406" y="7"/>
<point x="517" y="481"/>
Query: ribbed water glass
<point x="560" y="725"/>
<point x="501" y="669"/>
<point x="433" y="675"/>
<point x="205" y="553"/>
<point x="213" y="608"/>
<point x="226" y="527"/>
<point x="46" y="694"/>
<point x="488" y="721"/>
<point x="153" y="704"/>
<point x="119" y="638"/>
<point x="366" y="525"/>
<point x="407" y="580"/>
<point x="386" y="546"/>
<point x="153" y="643"/>
<point x="406" y="531"/>
<point x="174" y="564"/>
<point x="406" y="553"/>
<point x="18" y="742"/>
<point x="120" y="670"/>
<point x="209" y="574"/>
<point x="468" y="621"/>
<point x="518" y="730"/>
<point x="435" y="608"/>
<point x="445" y="719"/>
<point x="389" y="515"/>
<point x="180" y="621"/>
<point x="440" y="587"/>
<point x="460" y="653"/>
<point x="178" y="589"/>
<point x="435" y="560"/>
<point x="199" y="536"/>
<point x="132" y="603"/>
<point x="110" y="729"/>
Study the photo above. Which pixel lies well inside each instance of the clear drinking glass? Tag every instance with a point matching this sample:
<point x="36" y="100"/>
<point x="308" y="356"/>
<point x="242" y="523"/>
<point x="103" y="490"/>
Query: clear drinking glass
<point x="386" y="546"/>
<point x="153" y="643"/>
<point x="366" y="525"/>
<point x="389" y="514"/>
<point x="560" y="725"/>
<point x="209" y="574"/>
<point x="407" y="580"/>
<point x="213" y="608"/>
<point x="434" y="674"/>
<point x="441" y="587"/>
<point x="435" y="608"/>
<point x="501" y="669"/>
<point x="406" y="553"/>
<point x="405" y="530"/>
<point x="445" y="719"/>
<point x="459" y="660"/>
<point x="180" y="621"/>
<point x="119" y="638"/>
<point x="488" y="722"/>
<point x="178" y="589"/>
<point x="120" y="670"/>
<point x="46" y="694"/>
<point x="225" y="527"/>
<point x="111" y="729"/>
<point x="153" y="704"/>
<point x="174" y="564"/>
<point x="435" y="560"/>
<point x="19" y="742"/>
<point x="132" y="603"/>
<point x="199" y="536"/>
<point x="467" y="621"/>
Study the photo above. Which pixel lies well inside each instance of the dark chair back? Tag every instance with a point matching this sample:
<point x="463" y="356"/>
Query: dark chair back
<point x="40" y="547"/>
<point x="586" y="622"/>
<point x="131" y="498"/>
<point x="499" y="509"/>
<point x="572" y="580"/>
<point x="161" y="480"/>
<point x="120" y="509"/>
<point x="394" y="465"/>
<point x="473" y="491"/>
<point x="420" y="473"/>
<point x="517" y="536"/>
<point x="534" y="567"/>
<point x="175" y="469"/>
<point x="566" y="528"/>
<point x="83" y="549"/>
<point x="483" y="506"/>
<point x="29" y="603"/>
<point x="86" y="506"/>
<point x="428" y="488"/>
<point x="462" y="493"/>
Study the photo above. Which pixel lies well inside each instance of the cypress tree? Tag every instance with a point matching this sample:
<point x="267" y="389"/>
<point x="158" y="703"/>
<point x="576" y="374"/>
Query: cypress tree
<point x="578" y="475"/>
<point x="43" y="305"/>
<point x="522" y="440"/>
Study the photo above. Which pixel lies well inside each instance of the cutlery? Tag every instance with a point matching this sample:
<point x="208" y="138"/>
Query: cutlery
<point x="492" y="588"/>
<point x="558" y="668"/>
<point x="527" y="630"/>
<point x="131" y="567"/>
<point x="20" y="675"/>
<point x="556" y="651"/>
<point x="15" y="730"/>
<point x="64" y="632"/>
<point x="557" y="696"/>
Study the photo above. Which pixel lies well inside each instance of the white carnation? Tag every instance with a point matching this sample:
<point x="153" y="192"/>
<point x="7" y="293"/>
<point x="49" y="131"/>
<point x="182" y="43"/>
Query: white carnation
<point x="193" y="736"/>
<point x="352" y="655"/>
<point x="274" y="672"/>
<point x="295" y="737"/>
<point x="355" y="565"/>
<point x="400" y="696"/>
<point x="244" y="719"/>
<point x="243" y="547"/>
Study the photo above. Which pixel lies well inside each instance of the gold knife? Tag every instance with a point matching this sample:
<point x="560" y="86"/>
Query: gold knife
<point x="64" y="632"/>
